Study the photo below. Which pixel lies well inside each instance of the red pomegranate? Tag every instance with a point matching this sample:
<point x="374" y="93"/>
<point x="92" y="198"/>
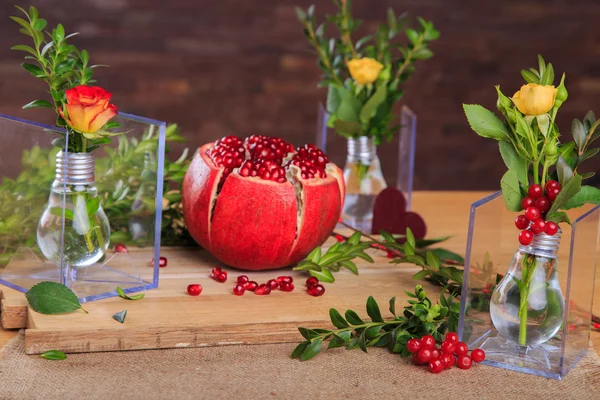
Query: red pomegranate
<point x="259" y="203"/>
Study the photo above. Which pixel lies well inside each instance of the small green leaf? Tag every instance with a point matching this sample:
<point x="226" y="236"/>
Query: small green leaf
<point x="587" y="195"/>
<point x="353" y="318"/>
<point x="350" y="266"/>
<point x="58" y="212"/>
<point x="569" y="191"/>
<point x="355" y="238"/>
<point x="52" y="298"/>
<point x="54" y="355"/>
<point x="120" y="316"/>
<point x="559" y="217"/>
<point x="485" y="123"/>
<point x="92" y="206"/>
<point x="410" y="238"/>
<point x="315" y="255"/>
<point x="337" y="320"/>
<point x="34" y="70"/>
<point x="564" y="171"/>
<point x="323" y="275"/>
<point x="433" y="260"/>
<point x="513" y="161"/>
<point x="373" y="310"/>
<point x="511" y="190"/>
<point x="38" y="103"/>
<point x="312" y="349"/>
<point x="369" y="110"/>
<point x="393" y="305"/>
<point x="299" y="349"/>
<point x="125" y="296"/>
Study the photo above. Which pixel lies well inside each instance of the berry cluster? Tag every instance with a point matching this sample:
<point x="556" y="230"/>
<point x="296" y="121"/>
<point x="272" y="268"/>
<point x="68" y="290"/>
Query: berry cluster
<point x="536" y="205"/>
<point x="451" y="352"/>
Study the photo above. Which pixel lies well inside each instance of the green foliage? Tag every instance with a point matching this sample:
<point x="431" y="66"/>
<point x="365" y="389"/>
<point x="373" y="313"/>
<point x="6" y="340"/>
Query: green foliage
<point x="125" y="296"/>
<point x="54" y="355"/>
<point x="365" y="110"/>
<point x="420" y="317"/>
<point x="52" y="298"/>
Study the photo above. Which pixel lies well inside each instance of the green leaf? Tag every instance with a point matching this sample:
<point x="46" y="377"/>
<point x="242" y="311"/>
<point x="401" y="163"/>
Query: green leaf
<point x="559" y="217"/>
<point x="333" y="99"/>
<point x="350" y="106"/>
<point x="307" y="266"/>
<point x="355" y="238"/>
<point x="587" y="195"/>
<point x="58" y="212"/>
<point x="564" y="171"/>
<point x="54" y="355"/>
<point x="120" y="316"/>
<point x="330" y="257"/>
<point x="579" y="134"/>
<point x="353" y="318"/>
<point x="589" y="153"/>
<point x="38" y="103"/>
<point x="410" y="238"/>
<point x="314" y="255"/>
<point x="350" y="266"/>
<point x="34" y="70"/>
<point x="529" y="77"/>
<point x="422" y="243"/>
<point x="26" y="49"/>
<point x="299" y="349"/>
<point x="337" y="320"/>
<point x="365" y="257"/>
<point x="40" y="24"/>
<point x="125" y="296"/>
<point x="393" y="305"/>
<point x="369" y="110"/>
<point x="567" y="192"/>
<point x="52" y="298"/>
<point x="513" y="161"/>
<point x="300" y="14"/>
<point x="543" y="122"/>
<point x="347" y="128"/>
<point x="511" y="190"/>
<point x="373" y="310"/>
<point x="485" y="123"/>
<point x="92" y="206"/>
<point x="433" y="260"/>
<point x="323" y="275"/>
<point x="312" y="349"/>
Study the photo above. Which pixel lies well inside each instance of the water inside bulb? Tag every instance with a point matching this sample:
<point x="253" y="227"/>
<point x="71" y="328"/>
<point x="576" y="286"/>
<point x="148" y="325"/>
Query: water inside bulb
<point x="527" y="307"/>
<point x="86" y="227"/>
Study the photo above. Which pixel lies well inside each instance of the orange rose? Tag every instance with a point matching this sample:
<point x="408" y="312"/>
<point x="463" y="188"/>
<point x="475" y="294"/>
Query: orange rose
<point x="88" y="109"/>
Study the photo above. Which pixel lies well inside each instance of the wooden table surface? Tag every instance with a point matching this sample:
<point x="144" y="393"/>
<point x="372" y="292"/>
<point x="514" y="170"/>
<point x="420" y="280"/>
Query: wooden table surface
<point x="446" y="214"/>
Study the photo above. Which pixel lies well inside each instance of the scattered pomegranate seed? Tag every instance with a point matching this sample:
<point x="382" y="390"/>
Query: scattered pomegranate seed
<point x="238" y="290"/>
<point x="215" y="271"/>
<point x="312" y="281"/>
<point x="162" y="262"/>
<point x="272" y="283"/>
<point x="478" y="355"/>
<point x="221" y="276"/>
<point x="413" y="345"/>
<point x="461" y="349"/>
<point x="316" y="290"/>
<point x="121" y="248"/>
<point x="427" y="342"/>
<point x="286" y="286"/>
<point x="339" y="238"/>
<point x="390" y="254"/>
<point x="464" y="362"/>
<point x="263" y="289"/>
<point x="251" y="286"/>
<point x="436" y="366"/>
<point x="194" y="289"/>
<point x="287" y="279"/>
<point x="242" y="279"/>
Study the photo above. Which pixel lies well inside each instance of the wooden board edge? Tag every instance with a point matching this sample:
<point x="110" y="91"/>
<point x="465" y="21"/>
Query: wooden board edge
<point x="13" y="315"/>
<point x="38" y="341"/>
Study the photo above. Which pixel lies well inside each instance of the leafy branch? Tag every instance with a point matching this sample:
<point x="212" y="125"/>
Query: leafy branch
<point x="419" y="318"/>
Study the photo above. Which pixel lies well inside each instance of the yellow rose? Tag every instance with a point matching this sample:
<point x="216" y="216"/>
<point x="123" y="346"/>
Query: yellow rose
<point x="534" y="99"/>
<point x="364" y="70"/>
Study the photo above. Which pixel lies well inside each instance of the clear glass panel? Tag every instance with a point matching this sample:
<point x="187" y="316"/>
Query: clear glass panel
<point x="492" y="242"/>
<point x="129" y="181"/>
<point x="406" y="153"/>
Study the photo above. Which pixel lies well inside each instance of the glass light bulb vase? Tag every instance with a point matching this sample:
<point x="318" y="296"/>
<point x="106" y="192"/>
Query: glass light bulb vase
<point x="62" y="213"/>
<point x="525" y="312"/>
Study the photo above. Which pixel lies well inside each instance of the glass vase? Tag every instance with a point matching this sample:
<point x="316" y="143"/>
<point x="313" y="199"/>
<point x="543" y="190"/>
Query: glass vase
<point x="364" y="181"/>
<point x="86" y="230"/>
<point x="527" y="305"/>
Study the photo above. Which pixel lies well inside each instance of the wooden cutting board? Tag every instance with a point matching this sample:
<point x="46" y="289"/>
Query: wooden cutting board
<point x="168" y="317"/>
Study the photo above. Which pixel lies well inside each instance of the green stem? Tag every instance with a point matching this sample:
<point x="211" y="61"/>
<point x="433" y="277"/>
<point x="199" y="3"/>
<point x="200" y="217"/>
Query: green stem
<point x="536" y="172"/>
<point x="529" y="266"/>
<point x="83" y="144"/>
<point x="544" y="173"/>
<point x="409" y="55"/>
<point x="365" y="325"/>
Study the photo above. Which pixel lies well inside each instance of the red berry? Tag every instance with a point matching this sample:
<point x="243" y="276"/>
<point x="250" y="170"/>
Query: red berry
<point x="424" y="356"/>
<point x="121" y="248"/>
<point x="287" y="279"/>
<point x="552" y="193"/>
<point x="448" y="347"/>
<point x="464" y="362"/>
<point x="221" y="276"/>
<point x="532" y="213"/>
<point x="552" y="185"/>
<point x="239" y="290"/>
<point x="312" y="281"/>
<point x="263" y="289"/>
<point x="316" y="290"/>
<point x="251" y="286"/>
<point x="478" y="355"/>
<point x="448" y="360"/>
<point x="272" y="283"/>
<point x="527" y="202"/>
<point x="413" y="345"/>
<point x="535" y="191"/>
<point x="194" y="289"/>
<point x="551" y="228"/>
<point x="461" y="349"/>
<point x="415" y="359"/>
<point x="162" y="262"/>
<point x="286" y="286"/>
<point x="427" y="342"/>
<point x="435" y="354"/>
<point x="436" y="366"/>
<point x="242" y="279"/>
<point x="543" y="204"/>
<point x="538" y="226"/>
<point x="525" y="238"/>
<point x="452" y="337"/>
<point x="521" y="222"/>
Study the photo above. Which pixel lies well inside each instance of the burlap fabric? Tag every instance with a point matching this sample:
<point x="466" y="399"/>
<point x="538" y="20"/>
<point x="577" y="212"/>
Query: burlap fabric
<point x="266" y="372"/>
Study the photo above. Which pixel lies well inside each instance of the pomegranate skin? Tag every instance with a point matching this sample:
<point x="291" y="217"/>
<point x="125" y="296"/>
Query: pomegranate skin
<point x="255" y="223"/>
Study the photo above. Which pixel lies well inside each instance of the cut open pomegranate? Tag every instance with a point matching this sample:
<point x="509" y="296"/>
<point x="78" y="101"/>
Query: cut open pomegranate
<point x="259" y="203"/>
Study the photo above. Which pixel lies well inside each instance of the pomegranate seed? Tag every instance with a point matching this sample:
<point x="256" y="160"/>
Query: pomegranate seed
<point x="162" y="262"/>
<point x="194" y="289"/>
<point x="596" y="326"/>
<point x="452" y="337"/>
<point x="464" y="362"/>
<point x="532" y="213"/>
<point x="242" y="279"/>
<point x="535" y="191"/>
<point x="272" y="283"/>
<point x="543" y="204"/>
<point x="390" y="254"/>
<point x="428" y="342"/>
<point x="478" y="355"/>
<point x="436" y="366"/>
<point x="221" y="276"/>
<point x="552" y="193"/>
<point x="238" y="290"/>
<point x="435" y="354"/>
<point x="288" y="279"/>
<point x="286" y="286"/>
<point x="448" y="347"/>
<point x="339" y="238"/>
<point x="316" y="290"/>
<point x="527" y="202"/>
<point x="448" y="360"/>
<point x="521" y="222"/>
<point x="413" y="345"/>
<point x="461" y="349"/>
<point x="424" y="355"/>
<point x="251" y="286"/>
<point x="551" y="228"/>
<point x="552" y="185"/>
<point x="121" y="248"/>
<point x="263" y="289"/>
<point x="312" y="281"/>
<point x="215" y="271"/>
<point x="525" y="238"/>
<point x="538" y="226"/>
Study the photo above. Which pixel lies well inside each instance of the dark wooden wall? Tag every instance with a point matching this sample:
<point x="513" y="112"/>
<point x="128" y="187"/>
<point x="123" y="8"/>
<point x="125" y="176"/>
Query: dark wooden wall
<point x="242" y="66"/>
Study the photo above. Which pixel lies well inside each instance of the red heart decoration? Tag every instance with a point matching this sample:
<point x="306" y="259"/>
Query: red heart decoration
<point x="390" y="215"/>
